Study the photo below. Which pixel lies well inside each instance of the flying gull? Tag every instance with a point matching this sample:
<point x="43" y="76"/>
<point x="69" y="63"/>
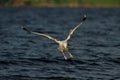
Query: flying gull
<point x="63" y="46"/>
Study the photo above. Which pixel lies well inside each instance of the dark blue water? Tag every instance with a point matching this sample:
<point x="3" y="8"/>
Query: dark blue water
<point x="95" y="45"/>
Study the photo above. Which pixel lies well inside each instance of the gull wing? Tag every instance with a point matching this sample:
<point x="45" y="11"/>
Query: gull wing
<point x="71" y="31"/>
<point x="46" y="35"/>
<point x="41" y="34"/>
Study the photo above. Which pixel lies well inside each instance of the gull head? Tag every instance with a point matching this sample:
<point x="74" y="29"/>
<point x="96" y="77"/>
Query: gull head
<point x="63" y="46"/>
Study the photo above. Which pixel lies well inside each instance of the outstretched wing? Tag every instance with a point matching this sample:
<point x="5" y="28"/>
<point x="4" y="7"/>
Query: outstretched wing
<point x="41" y="34"/>
<point x="71" y="31"/>
<point x="45" y="35"/>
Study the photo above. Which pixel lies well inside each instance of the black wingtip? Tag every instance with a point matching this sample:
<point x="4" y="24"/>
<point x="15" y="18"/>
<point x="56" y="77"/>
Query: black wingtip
<point x="84" y="18"/>
<point x="26" y="29"/>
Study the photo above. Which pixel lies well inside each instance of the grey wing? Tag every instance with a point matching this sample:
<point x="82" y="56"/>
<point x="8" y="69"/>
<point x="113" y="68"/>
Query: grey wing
<point x="41" y="34"/>
<point x="71" y="31"/>
<point x="45" y="35"/>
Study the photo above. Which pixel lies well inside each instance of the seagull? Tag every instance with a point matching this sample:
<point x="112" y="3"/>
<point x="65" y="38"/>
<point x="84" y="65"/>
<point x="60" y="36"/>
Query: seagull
<point x="63" y="46"/>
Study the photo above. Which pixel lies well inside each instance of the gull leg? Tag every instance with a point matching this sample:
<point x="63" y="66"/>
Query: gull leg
<point x="70" y="54"/>
<point x="64" y="55"/>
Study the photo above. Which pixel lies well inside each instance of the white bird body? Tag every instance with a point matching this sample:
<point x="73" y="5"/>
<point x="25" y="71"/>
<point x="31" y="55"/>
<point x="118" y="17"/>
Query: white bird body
<point x="63" y="46"/>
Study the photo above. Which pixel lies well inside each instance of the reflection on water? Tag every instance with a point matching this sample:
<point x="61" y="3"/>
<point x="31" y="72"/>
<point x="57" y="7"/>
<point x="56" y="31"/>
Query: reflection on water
<point x="95" y="45"/>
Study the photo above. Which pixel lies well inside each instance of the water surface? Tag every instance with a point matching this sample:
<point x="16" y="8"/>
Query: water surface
<point x="95" y="45"/>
